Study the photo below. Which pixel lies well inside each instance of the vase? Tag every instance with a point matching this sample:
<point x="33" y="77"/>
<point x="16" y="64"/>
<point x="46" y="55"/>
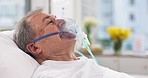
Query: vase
<point x="117" y="47"/>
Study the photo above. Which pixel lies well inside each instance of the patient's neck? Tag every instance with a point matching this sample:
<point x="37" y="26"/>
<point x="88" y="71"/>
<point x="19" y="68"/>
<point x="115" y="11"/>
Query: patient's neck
<point x="64" y="57"/>
<point x="59" y="57"/>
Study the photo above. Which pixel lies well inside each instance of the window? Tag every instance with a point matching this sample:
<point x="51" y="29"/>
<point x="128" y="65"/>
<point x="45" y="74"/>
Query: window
<point x="107" y="1"/>
<point x="10" y="13"/>
<point x="132" y="17"/>
<point x="132" y="2"/>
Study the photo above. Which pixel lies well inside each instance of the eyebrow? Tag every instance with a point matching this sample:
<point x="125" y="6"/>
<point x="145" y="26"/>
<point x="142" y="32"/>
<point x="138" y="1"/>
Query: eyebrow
<point x="46" y="18"/>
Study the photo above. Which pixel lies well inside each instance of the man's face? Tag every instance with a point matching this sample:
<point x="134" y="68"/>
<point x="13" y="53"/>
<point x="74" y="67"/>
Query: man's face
<point x="44" y="24"/>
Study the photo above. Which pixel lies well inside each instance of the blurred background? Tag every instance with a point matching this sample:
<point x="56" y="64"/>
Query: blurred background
<point x="95" y="17"/>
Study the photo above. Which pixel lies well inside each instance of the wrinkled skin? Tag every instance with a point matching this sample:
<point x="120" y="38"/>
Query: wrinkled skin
<point x="56" y="47"/>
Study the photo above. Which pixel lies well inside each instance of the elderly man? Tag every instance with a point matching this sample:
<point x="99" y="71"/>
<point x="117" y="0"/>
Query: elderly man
<point x="38" y="34"/>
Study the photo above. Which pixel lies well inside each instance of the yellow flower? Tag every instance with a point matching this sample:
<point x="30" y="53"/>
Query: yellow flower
<point x="117" y="33"/>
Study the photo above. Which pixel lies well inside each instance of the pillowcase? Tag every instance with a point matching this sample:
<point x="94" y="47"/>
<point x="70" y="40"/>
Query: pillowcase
<point x="14" y="63"/>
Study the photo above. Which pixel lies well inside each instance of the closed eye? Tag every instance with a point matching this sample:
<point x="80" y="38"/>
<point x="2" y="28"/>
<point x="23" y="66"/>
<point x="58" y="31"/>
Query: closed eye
<point x="50" y="22"/>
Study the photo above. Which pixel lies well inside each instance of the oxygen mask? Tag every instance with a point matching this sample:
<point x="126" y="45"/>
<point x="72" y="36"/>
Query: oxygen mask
<point x="70" y="29"/>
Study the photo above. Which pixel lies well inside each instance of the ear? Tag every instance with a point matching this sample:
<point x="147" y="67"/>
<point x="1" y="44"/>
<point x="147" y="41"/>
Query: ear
<point x="33" y="49"/>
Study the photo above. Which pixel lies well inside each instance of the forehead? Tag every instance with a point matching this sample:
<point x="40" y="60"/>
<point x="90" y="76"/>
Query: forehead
<point x="38" y="16"/>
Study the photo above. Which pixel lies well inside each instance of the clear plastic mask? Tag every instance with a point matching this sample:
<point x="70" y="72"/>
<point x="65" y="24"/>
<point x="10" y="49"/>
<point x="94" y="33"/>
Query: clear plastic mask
<point x="72" y="27"/>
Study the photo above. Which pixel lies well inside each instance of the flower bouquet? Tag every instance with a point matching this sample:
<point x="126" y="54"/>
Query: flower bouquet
<point x="118" y="35"/>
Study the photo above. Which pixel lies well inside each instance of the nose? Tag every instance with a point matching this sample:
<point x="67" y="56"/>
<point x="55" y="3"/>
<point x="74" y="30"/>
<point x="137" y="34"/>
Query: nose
<point x="60" y="23"/>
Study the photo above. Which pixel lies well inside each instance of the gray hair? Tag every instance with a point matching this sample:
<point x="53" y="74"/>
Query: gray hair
<point x="24" y="34"/>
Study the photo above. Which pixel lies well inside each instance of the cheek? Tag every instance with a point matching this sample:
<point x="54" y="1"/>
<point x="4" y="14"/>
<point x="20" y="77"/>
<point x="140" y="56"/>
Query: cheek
<point x="50" y="29"/>
<point x="51" y="42"/>
<point x="51" y="48"/>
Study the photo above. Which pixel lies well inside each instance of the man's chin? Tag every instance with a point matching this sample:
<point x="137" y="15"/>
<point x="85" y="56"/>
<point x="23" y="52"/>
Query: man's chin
<point x="68" y="42"/>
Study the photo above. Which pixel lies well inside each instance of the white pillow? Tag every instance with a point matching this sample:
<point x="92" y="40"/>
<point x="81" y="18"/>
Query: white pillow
<point x="14" y="63"/>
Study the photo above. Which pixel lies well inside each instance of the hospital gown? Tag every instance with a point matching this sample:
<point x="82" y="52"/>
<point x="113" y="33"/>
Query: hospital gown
<point x="82" y="68"/>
